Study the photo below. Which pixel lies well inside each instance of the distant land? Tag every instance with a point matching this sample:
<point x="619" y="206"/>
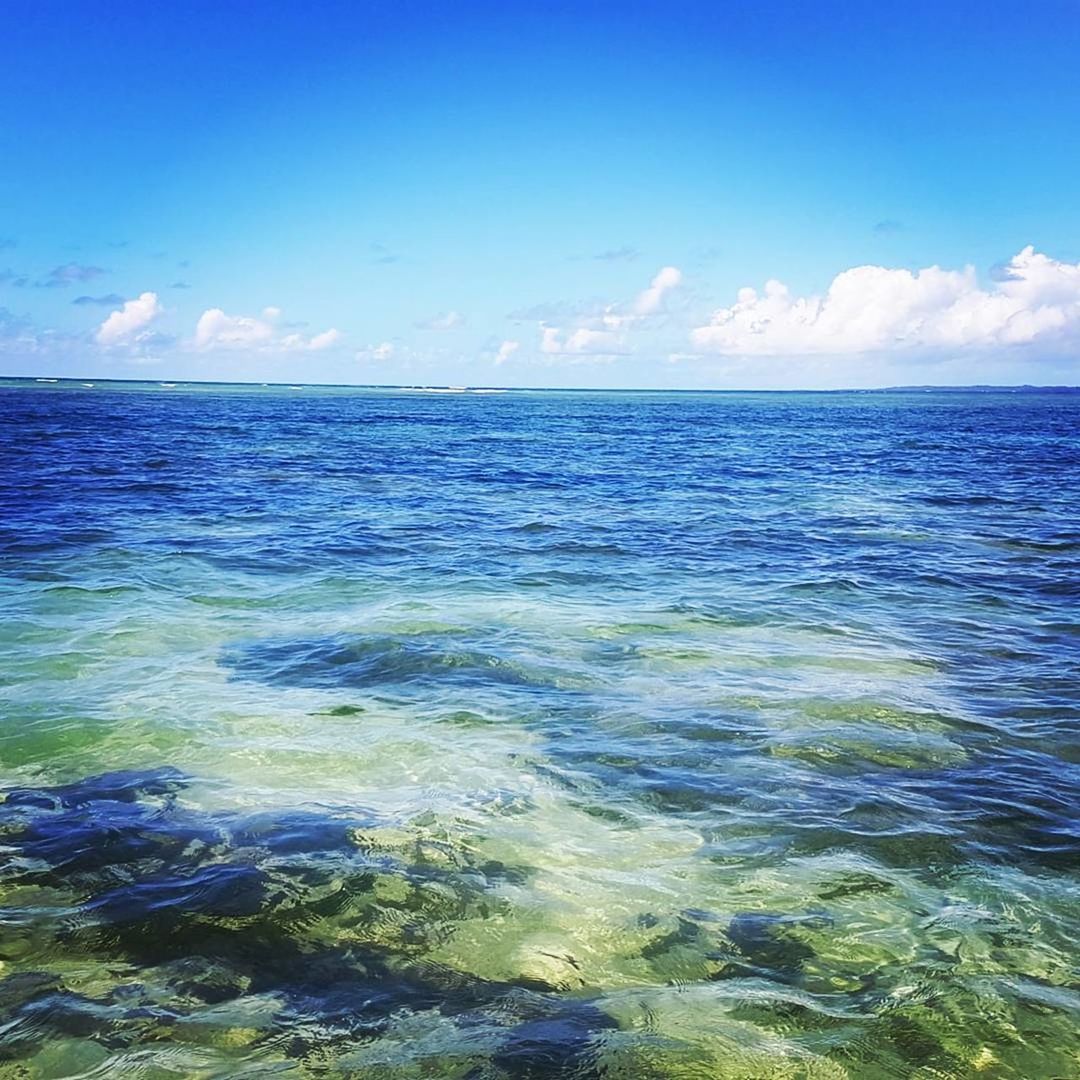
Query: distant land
<point x="91" y="382"/>
<point x="980" y="388"/>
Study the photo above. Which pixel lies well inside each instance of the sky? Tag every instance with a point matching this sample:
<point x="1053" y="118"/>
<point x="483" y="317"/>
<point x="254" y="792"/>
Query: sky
<point x="722" y="195"/>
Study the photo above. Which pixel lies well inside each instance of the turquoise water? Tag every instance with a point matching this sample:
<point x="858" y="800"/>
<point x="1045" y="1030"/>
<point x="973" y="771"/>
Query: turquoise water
<point x="388" y="734"/>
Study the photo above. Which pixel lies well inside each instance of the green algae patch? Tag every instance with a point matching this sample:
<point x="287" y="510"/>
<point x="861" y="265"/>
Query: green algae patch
<point x="341" y="710"/>
<point x="853" y="747"/>
<point x="466" y="718"/>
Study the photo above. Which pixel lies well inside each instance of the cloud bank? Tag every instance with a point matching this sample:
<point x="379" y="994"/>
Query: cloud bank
<point x="871" y="325"/>
<point x="871" y="309"/>
<point x="218" y="330"/>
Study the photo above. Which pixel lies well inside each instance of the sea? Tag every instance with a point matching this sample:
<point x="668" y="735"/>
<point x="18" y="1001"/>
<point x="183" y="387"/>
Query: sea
<point x="382" y="733"/>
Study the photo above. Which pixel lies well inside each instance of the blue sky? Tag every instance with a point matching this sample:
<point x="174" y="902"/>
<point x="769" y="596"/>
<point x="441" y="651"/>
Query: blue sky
<point x="543" y="194"/>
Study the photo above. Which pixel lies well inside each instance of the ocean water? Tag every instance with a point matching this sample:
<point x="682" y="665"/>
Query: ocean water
<point x="395" y="735"/>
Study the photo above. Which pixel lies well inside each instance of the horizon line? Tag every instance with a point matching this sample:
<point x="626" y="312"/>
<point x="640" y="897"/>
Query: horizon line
<point x="452" y="387"/>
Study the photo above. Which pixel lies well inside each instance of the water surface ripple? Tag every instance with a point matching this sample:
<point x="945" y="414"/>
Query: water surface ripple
<point x="382" y="734"/>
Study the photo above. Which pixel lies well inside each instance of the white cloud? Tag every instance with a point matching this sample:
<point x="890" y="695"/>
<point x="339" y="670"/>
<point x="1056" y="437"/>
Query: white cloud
<point x="217" y="330"/>
<point x="505" y="351"/>
<point x="871" y="309"/>
<point x="449" y="320"/>
<point x="128" y="324"/>
<point x="603" y="332"/>
<point x="299" y="343"/>
<point x="651" y="300"/>
<point x="580" y="342"/>
<point x="383" y="351"/>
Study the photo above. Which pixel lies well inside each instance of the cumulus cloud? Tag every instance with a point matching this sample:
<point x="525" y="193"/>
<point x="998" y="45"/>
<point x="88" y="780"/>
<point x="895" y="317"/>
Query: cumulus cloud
<point x="128" y="325"/>
<point x="218" y="330"/>
<point x="323" y="340"/>
<point x="505" y="350"/>
<point x="215" y="329"/>
<point x="445" y="320"/>
<point x="871" y="309"/>
<point x="580" y="342"/>
<point x="651" y="300"/>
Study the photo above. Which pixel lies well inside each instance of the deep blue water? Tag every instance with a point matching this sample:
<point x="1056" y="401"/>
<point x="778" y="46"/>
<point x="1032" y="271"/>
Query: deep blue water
<point x="377" y="733"/>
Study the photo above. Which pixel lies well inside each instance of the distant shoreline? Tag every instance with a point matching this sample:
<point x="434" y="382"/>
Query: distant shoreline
<point x="92" y="382"/>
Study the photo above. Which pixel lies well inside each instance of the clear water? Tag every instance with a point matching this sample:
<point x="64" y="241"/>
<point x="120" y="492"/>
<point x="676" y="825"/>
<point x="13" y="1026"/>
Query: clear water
<point x="384" y="734"/>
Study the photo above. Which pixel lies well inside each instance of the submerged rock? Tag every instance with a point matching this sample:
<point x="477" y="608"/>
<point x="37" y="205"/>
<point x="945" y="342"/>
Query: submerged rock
<point x="289" y="935"/>
<point x="383" y="659"/>
<point x="769" y="944"/>
<point x="126" y="786"/>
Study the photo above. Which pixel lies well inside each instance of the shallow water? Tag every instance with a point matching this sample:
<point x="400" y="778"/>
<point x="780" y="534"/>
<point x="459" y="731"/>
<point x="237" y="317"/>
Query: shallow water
<point x="383" y="734"/>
